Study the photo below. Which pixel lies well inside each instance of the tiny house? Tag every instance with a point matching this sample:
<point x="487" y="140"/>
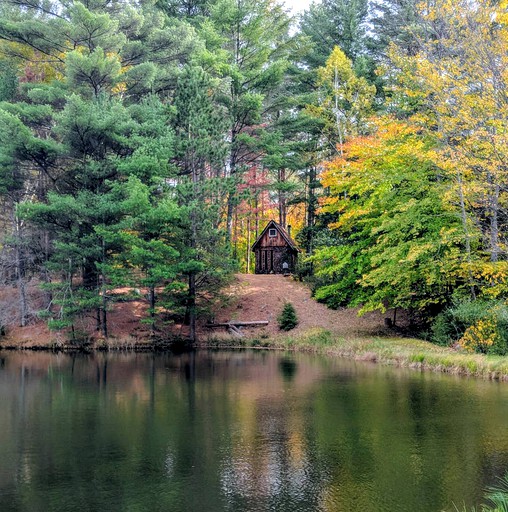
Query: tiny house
<point x="275" y="250"/>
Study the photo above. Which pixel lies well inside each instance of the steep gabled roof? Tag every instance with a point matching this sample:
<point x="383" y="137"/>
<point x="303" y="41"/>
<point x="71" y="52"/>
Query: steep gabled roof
<point x="281" y="230"/>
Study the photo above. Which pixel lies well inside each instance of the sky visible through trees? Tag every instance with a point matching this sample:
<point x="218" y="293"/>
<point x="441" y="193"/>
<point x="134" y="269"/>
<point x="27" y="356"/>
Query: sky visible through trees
<point x="298" y="5"/>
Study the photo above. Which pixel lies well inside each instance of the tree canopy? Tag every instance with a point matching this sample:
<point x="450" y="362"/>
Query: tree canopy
<point x="144" y="146"/>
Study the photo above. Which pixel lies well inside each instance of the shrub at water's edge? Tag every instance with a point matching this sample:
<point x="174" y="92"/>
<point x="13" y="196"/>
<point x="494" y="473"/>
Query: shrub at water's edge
<point x="479" y="326"/>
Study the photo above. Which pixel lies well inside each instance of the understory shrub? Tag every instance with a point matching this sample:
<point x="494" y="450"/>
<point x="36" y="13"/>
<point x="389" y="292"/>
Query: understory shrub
<point x="287" y="319"/>
<point x="477" y="326"/>
<point x="304" y="271"/>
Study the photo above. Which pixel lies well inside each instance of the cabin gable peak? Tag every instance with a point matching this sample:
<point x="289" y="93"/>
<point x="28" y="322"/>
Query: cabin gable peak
<point x="272" y="225"/>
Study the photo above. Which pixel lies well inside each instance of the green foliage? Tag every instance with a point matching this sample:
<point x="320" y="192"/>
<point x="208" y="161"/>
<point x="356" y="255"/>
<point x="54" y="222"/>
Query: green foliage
<point x="496" y="496"/>
<point x="70" y="306"/>
<point x="303" y="270"/>
<point x="476" y="325"/>
<point x="287" y="319"/>
<point x="96" y="70"/>
<point x="106" y="159"/>
<point x="337" y="270"/>
<point x="200" y="134"/>
<point x="333" y="23"/>
<point x="193" y="10"/>
<point x="253" y="42"/>
<point x="8" y="81"/>
<point x="399" y="245"/>
<point x="394" y="22"/>
<point x="443" y="331"/>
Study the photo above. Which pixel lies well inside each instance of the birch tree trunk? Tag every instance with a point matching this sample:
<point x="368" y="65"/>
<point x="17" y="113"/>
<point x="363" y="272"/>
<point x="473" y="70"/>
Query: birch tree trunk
<point x="494" y="222"/>
<point x="467" y="237"/>
<point x="19" y="267"/>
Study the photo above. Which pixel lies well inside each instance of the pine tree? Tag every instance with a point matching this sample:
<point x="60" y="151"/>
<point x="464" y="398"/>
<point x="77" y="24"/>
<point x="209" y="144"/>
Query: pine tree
<point x="395" y="22"/>
<point x="200" y="154"/>
<point x="287" y="319"/>
<point x="85" y="133"/>
<point x="333" y="23"/>
<point x="253" y="39"/>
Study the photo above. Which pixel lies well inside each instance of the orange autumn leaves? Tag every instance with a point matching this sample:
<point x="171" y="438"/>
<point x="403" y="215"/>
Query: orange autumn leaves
<point x="354" y="174"/>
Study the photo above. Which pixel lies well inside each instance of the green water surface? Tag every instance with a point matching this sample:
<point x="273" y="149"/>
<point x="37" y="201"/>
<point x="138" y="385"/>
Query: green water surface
<point x="242" y="431"/>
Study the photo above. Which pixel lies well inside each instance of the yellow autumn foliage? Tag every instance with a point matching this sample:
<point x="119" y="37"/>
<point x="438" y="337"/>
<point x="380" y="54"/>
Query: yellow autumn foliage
<point x="481" y="336"/>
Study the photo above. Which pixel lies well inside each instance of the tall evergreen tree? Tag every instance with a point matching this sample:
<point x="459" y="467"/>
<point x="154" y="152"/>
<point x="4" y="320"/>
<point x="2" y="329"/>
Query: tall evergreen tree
<point x="331" y="23"/>
<point x="395" y="22"/>
<point x="192" y="10"/>
<point x="88" y="130"/>
<point x="200" y="156"/>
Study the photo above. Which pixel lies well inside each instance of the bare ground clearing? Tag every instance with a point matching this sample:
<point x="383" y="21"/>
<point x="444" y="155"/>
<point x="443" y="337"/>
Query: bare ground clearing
<point x="262" y="297"/>
<point x="251" y="298"/>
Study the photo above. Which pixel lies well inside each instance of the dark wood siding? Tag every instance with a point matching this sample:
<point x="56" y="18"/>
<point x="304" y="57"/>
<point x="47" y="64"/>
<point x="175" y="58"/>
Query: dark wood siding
<point x="272" y="241"/>
<point x="273" y="251"/>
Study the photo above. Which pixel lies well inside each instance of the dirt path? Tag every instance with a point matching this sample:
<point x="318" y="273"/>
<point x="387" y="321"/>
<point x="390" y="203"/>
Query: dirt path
<point x="261" y="297"/>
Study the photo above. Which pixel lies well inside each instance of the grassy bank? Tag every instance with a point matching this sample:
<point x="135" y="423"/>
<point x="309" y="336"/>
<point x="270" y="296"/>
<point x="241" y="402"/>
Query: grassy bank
<point x="402" y="352"/>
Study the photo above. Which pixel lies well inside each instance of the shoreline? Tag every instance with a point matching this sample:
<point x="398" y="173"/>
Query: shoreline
<point x="388" y="351"/>
<point x="397" y="352"/>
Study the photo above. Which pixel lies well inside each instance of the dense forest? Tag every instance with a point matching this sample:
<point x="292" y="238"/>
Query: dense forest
<point x="144" y="145"/>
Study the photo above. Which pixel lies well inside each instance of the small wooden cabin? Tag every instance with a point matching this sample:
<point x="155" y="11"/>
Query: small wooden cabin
<point x="273" y="248"/>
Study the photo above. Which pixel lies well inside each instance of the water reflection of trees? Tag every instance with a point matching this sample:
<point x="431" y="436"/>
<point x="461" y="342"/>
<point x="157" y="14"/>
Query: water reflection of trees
<point x="231" y="431"/>
<point x="271" y="464"/>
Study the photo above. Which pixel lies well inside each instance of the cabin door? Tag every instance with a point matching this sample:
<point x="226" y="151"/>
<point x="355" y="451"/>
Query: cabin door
<point x="267" y="261"/>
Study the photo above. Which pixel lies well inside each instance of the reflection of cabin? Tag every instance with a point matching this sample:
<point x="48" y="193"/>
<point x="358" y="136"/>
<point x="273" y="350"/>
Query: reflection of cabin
<point x="273" y="248"/>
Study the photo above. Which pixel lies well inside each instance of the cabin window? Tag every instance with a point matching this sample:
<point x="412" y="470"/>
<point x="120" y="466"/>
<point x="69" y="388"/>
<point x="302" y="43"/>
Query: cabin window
<point x="272" y="233"/>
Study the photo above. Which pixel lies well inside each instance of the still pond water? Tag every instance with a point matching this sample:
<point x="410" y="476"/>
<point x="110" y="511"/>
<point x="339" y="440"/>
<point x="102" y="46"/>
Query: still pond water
<point x="242" y="431"/>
